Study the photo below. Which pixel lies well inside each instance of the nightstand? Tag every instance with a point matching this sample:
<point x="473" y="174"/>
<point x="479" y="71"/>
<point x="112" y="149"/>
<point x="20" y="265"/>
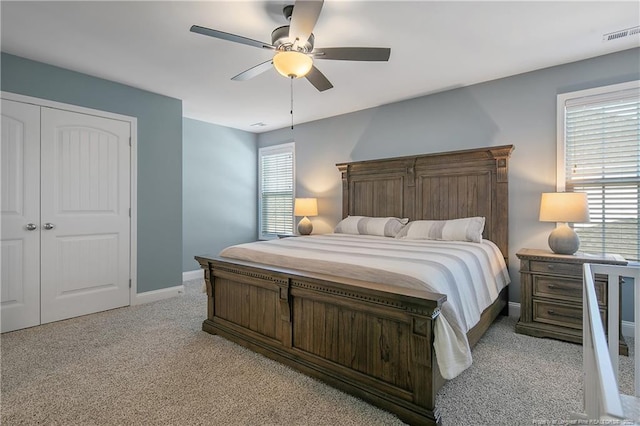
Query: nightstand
<point x="551" y="294"/>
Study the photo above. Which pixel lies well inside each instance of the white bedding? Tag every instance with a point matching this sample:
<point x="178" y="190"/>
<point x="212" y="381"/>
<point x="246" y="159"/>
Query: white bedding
<point x="470" y="274"/>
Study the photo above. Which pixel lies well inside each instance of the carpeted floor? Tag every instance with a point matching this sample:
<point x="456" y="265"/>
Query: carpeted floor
<point x="151" y="364"/>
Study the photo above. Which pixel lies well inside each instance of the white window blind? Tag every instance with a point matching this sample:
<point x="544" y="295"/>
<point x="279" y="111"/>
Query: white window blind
<point x="602" y="158"/>
<point x="276" y="190"/>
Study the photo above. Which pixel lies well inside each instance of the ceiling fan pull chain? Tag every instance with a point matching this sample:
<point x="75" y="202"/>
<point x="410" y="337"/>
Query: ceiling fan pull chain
<point x="291" y="102"/>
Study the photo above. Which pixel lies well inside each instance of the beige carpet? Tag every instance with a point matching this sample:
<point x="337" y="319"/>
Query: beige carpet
<point x="152" y="364"/>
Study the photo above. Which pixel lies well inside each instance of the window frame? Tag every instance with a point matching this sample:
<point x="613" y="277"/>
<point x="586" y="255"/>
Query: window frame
<point x="288" y="147"/>
<point x="587" y="95"/>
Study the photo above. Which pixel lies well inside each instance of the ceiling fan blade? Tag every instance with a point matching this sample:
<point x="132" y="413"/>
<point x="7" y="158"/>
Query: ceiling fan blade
<point x="254" y="71"/>
<point x="353" y="53"/>
<point x="230" y="37"/>
<point x="303" y="19"/>
<point x="318" y="79"/>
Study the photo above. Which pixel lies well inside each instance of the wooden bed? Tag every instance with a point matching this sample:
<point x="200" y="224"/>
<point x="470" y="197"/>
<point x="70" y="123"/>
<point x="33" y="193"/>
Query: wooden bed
<point x="374" y="341"/>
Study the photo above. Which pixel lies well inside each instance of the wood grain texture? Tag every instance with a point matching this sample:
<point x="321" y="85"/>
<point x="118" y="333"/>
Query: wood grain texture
<point x="551" y="294"/>
<point x="372" y="340"/>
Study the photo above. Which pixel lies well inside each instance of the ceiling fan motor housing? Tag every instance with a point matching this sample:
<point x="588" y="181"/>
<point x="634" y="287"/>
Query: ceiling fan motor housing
<point x="280" y="39"/>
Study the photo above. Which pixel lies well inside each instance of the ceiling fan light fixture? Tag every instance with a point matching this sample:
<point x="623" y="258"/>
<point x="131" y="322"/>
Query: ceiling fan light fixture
<point x="292" y="64"/>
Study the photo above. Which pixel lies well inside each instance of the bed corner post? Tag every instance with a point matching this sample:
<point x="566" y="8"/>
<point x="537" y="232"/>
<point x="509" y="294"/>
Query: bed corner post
<point x="423" y="369"/>
<point x="501" y="155"/>
<point x="344" y="171"/>
<point x="410" y="189"/>
<point x="206" y="265"/>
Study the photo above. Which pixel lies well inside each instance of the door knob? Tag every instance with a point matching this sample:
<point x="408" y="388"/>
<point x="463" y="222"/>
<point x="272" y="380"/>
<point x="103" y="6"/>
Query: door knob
<point x="31" y="227"/>
<point x="49" y="225"/>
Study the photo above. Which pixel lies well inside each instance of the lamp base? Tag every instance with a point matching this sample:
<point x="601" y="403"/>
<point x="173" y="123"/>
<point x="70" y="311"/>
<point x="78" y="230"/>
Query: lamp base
<point x="305" y="226"/>
<point x="564" y="240"/>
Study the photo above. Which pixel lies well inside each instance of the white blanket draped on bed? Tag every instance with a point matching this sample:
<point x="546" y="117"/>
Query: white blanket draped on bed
<point x="470" y="274"/>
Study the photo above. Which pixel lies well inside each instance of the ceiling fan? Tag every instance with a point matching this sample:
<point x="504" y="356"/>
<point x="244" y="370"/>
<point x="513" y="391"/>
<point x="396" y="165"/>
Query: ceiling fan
<point x="294" y="46"/>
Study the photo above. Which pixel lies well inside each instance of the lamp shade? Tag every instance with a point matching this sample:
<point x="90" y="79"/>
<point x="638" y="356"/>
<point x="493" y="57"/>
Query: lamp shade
<point x="292" y="64"/>
<point x="306" y="207"/>
<point x="564" y="207"/>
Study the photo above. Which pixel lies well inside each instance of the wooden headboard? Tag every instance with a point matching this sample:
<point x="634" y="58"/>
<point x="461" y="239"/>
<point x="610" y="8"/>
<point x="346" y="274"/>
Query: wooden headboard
<point x="448" y="185"/>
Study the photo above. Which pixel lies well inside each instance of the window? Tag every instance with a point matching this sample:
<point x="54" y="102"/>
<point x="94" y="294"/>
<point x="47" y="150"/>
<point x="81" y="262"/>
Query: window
<point x="277" y="177"/>
<point x="599" y="153"/>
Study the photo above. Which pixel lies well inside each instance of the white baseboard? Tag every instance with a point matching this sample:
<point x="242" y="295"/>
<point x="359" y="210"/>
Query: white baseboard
<point x="154" y="295"/>
<point x="514" y="309"/>
<point x="193" y="275"/>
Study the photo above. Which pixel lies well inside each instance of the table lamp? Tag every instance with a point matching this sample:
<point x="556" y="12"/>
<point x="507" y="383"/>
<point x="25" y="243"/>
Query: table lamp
<point x="305" y="207"/>
<point x="564" y="207"/>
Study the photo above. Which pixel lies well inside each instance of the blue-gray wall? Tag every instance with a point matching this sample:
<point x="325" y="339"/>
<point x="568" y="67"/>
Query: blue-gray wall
<point x="159" y="155"/>
<point x="219" y="181"/>
<point x="518" y="110"/>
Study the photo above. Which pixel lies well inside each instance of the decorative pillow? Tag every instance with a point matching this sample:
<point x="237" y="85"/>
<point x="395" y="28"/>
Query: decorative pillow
<point x="467" y="229"/>
<point x="363" y="225"/>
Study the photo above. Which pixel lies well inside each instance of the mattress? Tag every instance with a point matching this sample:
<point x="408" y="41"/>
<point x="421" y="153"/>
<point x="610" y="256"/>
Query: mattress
<point x="471" y="275"/>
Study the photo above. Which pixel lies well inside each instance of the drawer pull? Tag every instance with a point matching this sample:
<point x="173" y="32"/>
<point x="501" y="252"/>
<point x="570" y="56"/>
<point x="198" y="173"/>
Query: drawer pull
<point x="561" y="287"/>
<point x="549" y="266"/>
<point x="556" y="314"/>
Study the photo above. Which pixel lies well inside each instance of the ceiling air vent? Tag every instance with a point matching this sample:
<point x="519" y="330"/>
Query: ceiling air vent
<point x="258" y="124"/>
<point x="621" y="34"/>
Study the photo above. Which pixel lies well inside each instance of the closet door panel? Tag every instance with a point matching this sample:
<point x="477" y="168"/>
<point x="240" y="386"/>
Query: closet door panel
<point x="85" y="214"/>
<point x="20" y="202"/>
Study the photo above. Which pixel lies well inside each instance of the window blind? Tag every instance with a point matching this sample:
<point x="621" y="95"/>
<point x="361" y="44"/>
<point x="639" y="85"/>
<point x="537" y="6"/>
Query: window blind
<point x="276" y="191"/>
<point x="602" y="158"/>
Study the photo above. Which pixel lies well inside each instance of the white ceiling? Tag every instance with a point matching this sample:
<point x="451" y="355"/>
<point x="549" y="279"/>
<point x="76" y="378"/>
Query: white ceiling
<point x="435" y="46"/>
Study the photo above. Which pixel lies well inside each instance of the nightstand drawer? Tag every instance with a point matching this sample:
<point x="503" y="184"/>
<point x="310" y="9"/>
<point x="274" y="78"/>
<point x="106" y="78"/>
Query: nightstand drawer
<point x="565" y="289"/>
<point x="574" y="269"/>
<point x="559" y="314"/>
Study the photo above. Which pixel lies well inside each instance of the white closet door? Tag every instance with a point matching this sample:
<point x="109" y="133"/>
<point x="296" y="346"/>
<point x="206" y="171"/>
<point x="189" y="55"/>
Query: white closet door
<point x="85" y="194"/>
<point x="20" y="231"/>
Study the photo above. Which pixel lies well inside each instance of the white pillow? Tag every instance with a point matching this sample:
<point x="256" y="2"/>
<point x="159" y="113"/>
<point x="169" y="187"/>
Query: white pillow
<point x="467" y="229"/>
<point x="363" y="225"/>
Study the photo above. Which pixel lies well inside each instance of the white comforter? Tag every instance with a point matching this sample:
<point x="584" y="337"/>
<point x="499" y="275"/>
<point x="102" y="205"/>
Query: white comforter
<point x="470" y="274"/>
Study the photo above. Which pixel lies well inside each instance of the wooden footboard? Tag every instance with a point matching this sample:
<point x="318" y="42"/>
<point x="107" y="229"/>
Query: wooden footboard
<point x="367" y="339"/>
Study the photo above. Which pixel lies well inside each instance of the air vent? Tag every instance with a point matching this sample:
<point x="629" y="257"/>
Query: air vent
<point x="621" y="34"/>
<point x="258" y="124"/>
